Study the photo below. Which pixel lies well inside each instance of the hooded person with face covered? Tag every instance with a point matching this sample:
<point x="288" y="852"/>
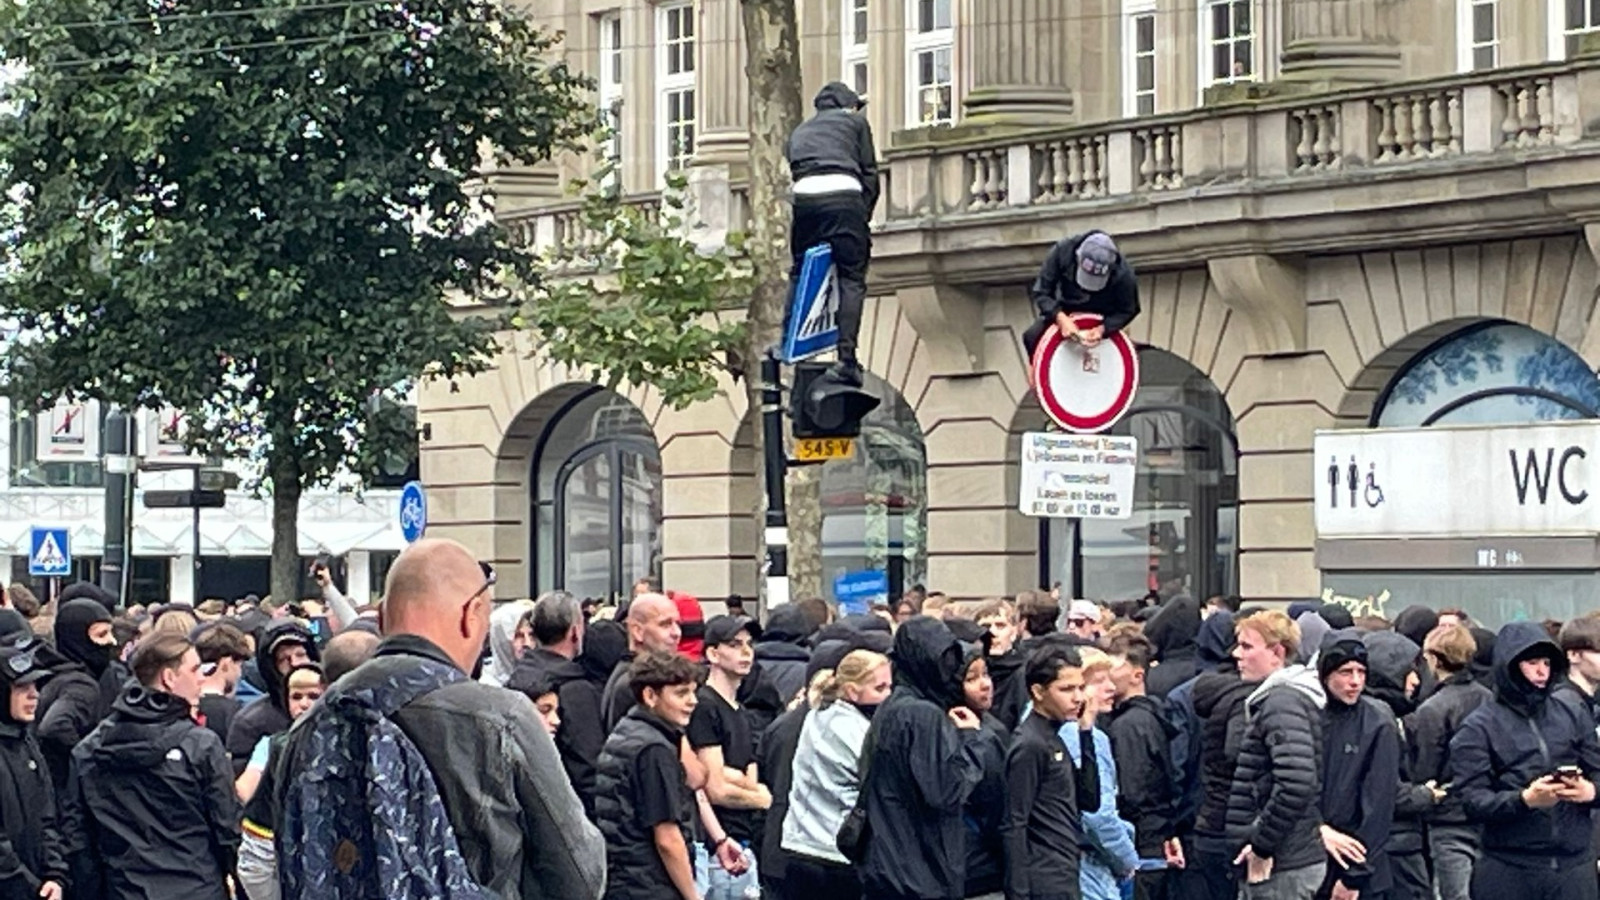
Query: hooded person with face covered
<point x="283" y="646"/>
<point x="84" y="686"/>
<point x="926" y="758"/>
<point x="1524" y="766"/>
<point x="31" y="856"/>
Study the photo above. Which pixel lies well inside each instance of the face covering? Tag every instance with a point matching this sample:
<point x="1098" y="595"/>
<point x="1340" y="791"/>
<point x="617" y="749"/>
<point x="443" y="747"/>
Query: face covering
<point x="72" y="635"/>
<point x="867" y="709"/>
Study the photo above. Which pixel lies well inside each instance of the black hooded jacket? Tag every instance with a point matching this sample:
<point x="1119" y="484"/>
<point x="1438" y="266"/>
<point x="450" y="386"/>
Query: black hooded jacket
<point x="82" y="689"/>
<point x="1360" y="768"/>
<point x="1217" y="698"/>
<point x="781" y="651"/>
<point x="1056" y="288"/>
<point x="151" y="810"/>
<point x="836" y="141"/>
<point x="1392" y="658"/>
<point x="1523" y="735"/>
<point x="923" y="769"/>
<point x="578" y="683"/>
<point x="1428" y="733"/>
<point x="269" y="715"/>
<point x="1173" y="631"/>
<point x="31" y="849"/>
<point x="1147" y="797"/>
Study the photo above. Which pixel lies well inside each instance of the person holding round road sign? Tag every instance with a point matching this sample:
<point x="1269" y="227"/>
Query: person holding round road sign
<point x="1083" y="273"/>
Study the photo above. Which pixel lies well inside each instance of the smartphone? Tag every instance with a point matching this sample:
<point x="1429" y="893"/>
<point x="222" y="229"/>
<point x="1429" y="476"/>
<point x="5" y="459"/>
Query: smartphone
<point x="1569" y="773"/>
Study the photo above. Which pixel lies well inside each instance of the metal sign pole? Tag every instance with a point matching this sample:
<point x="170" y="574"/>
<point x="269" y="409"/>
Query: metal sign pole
<point x="777" y="467"/>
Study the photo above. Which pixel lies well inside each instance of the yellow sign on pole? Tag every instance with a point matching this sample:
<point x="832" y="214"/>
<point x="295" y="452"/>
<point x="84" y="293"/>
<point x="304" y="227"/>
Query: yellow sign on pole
<point x="821" y="449"/>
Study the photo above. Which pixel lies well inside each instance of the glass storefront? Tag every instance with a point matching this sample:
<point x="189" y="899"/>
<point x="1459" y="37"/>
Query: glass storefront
<point x="1182" y="536"/>
<point x="596" y="498"/>
<point x="875" y="504"/>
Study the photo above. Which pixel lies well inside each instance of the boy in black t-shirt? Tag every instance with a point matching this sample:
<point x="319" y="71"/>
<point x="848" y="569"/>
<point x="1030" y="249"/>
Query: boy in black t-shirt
<point x="720" y="735"/>
<point x="642" y="799"/>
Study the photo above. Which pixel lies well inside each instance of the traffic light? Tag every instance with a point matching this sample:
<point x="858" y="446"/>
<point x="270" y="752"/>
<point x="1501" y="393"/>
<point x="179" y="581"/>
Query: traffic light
<point x="821" y="405"/>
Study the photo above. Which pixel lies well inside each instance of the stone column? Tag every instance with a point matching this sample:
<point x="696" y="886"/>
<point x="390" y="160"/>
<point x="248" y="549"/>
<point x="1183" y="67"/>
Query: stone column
<point x="722" y="142"/>
<point x="1341" y="42"/>
<point x="1021" y="61"/>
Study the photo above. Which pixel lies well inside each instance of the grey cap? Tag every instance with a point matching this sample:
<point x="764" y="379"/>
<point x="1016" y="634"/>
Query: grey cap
<point x="1097" y="258"/>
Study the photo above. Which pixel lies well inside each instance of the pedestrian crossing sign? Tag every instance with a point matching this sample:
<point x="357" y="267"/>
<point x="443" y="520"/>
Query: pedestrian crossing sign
<point x="812" y="325"/>
<point x="51" y="554"/>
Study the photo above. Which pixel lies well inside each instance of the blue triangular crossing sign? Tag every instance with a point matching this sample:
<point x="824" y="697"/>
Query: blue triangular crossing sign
<point x="51" y="553"/>
<point x="812" y="326"/>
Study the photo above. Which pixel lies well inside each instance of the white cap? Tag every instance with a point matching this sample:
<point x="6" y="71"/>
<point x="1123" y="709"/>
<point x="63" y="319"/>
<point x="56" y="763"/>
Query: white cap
<point x="1083" y="609"/>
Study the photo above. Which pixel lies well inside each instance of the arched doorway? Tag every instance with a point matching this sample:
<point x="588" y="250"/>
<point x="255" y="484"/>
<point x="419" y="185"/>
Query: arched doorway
<point x="875" y="504"/>
<point x="1183" y="534"/>
<point x="596" y="498"/>
<point x="1504" y="378"/>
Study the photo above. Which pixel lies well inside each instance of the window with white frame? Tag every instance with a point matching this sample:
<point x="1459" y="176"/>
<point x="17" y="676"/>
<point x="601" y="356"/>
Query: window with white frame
<point x="855" y="46"/>
<point x="1228" y="30"/>
<point x="1568" y="20"/>
<point x="1139" y="58"/>
<point x="675" y="53"/>
<point x="1478" y="34"/>
<point x="930" y="56"/>
<point x="610" y="82"/>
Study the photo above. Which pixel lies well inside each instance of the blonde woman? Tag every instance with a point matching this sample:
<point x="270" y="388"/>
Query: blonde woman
<point x="826" y="776"/>
<point x="1112" y="857"/>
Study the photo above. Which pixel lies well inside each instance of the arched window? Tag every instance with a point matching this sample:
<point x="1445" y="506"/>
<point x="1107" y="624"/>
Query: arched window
<point x="596" y="498"/>
<point x="1490" y="373"/>
<point x="875" y="504"/>
<point x="1183" y="534"/>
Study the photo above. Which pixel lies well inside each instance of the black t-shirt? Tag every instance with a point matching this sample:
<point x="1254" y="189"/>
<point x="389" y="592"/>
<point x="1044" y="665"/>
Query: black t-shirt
<point x="661" y="788"/>
<point x="717" y="723"/>
<point x="219" y="710"/>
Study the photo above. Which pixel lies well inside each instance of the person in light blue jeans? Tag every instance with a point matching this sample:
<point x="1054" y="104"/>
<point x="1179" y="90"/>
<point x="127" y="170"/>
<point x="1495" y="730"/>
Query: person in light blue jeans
<point x="1111" y="856"/>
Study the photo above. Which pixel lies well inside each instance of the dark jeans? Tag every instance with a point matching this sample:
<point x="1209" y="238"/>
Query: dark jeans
<point x="1454" y="850"/>
<point x="1209" y="875"/>
<point x="841" y="222"/>
<point x="1567" y="879"/>
<point x="815" y="879"/>
<point x="1410" y="873"/>
<point x="1153" y="885"/>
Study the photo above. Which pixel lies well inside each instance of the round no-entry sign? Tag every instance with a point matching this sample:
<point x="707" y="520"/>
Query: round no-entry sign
<point x="1081" y="389"/>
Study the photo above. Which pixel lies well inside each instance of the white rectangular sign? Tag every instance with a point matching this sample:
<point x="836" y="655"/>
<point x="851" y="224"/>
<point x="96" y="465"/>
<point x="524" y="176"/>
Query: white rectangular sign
<point x="1083" y="476"/>
<point x="69" y="432"/>
<point x="1458" y="482"/>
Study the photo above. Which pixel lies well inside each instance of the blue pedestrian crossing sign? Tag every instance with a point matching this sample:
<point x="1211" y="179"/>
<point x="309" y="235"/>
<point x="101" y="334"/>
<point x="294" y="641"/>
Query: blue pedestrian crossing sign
<point x="813" y="323"/>
<point x="51" y="553"/>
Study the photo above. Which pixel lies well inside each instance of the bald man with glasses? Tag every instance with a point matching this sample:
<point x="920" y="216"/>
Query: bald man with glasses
<point x="520" y="827"/>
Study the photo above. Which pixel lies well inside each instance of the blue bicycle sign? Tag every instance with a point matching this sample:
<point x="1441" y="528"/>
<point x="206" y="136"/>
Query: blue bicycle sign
<point x="413" y="511"/>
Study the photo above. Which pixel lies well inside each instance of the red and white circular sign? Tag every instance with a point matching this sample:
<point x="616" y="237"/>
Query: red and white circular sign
<point x="1085" y="390"/>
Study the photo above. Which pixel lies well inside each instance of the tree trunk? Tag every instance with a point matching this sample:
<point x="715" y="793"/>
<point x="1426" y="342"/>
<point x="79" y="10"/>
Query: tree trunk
<point x="772" y="69"/>
<point x="285" y="477"/>
<point x="805" y="532"/>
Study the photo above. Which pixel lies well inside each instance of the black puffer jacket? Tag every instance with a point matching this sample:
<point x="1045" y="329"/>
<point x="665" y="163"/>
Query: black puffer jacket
<point x="1524" y="734"/>
<point x="269" y="715"/>
<point x="1272" y="806"/>
<point x="151" y="810"/>
<point x="30" y="836"/>
<point x="923" y="770"/>
<point x="1428" y="733"/>
<point x="836" y="141"/>
<point x="1217" y="697"/>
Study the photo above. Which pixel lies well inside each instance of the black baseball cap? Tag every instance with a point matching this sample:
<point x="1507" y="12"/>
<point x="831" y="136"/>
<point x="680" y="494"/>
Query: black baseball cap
<point x="723" y="629"/>
<point x="21" y="667"/>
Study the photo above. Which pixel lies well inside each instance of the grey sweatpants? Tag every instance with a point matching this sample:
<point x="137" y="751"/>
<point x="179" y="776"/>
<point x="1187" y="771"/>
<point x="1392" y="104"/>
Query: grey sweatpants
<point x="1295" y="884"/>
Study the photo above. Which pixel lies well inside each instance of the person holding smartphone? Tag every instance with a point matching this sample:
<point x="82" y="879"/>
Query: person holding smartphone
<point x="1524" y="766"/>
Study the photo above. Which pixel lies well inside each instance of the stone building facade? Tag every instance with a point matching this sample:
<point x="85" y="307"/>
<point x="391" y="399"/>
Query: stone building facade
<point x="1322" y="199"/>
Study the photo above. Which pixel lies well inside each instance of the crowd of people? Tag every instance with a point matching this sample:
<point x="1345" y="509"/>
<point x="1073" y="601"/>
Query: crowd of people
<point x="448" y="746"/>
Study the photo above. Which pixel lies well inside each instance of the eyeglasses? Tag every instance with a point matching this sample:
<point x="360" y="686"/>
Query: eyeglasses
<point x="489" y="579"/>
<point x="1080" y="621"/>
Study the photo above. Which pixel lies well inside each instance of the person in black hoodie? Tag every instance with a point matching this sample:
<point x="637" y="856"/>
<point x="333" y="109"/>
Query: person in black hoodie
<point x="576" y="659"/>
<point x="1148" y="786"/>
<point x="32" y="864"/>
<point x="924" y="766"/>
<point x="985" y="811"/>
<point x="83" y="687"/>
<point x="1217" y="698"/>
<point x="781" y="652"/>
<point x="1360" y="768"/>
<point x="1083" y="273"/>
<point x="1172" y="634"/>
<point x="150" y="809"/>
<point x="1393" y="679"/>
<point x="1452" y="840"/>
<point x="1006" y="660"/>
<point x="1046" y="794"/>
<point x="1524" y="766"/>
<point x="286" y="644"/>
<point x="834" y="167"/>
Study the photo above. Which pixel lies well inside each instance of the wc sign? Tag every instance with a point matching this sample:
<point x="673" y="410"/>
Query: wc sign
<point x="1457" y="481"/>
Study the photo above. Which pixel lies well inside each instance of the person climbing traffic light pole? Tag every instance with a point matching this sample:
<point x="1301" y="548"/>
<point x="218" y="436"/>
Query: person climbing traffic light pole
<point x="835" y="169"/>
<point x="1083" y="273"/>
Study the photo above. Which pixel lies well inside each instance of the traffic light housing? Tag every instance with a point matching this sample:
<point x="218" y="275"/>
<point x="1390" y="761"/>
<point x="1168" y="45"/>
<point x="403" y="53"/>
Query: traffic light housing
<point x="820" y="405"/>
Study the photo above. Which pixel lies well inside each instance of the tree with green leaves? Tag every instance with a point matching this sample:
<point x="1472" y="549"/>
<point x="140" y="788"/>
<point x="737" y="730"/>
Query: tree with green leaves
<point x="258" y="210"/>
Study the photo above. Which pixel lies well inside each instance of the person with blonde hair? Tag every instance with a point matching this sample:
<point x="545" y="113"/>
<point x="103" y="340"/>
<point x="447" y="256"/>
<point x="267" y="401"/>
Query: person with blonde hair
<point x="826" y="775"/>
<point x="1112" y="837"/>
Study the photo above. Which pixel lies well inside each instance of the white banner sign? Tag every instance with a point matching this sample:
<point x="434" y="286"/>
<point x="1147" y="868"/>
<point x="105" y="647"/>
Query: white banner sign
<point x="163" y="434"/>
<point x="69" y="432"/>
<point x="1458" y="482"/>
<point x="1078" y="476"/>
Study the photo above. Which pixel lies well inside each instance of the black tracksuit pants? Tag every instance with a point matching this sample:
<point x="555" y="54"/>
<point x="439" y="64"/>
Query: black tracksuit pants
<point x="1570" y="878"/>
<point x="841" y="221"/>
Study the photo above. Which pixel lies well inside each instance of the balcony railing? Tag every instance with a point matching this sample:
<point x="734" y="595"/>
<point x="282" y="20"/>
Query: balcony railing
<point x="961" y="171"/>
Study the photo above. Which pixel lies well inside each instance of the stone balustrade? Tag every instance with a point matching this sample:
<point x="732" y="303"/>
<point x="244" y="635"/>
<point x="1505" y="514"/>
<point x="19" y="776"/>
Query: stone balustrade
<point x="1283" y="136"/>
